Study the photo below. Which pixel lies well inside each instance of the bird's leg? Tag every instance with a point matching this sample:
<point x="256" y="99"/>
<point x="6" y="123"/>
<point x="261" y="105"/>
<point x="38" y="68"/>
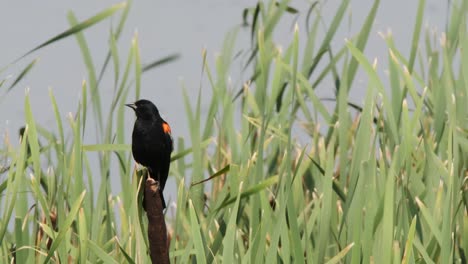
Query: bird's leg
<point x="156" y="180"/>
<point x="155" y="177"/>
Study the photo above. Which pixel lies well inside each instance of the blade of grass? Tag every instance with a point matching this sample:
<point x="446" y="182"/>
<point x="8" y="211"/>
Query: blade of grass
<point x="63" y="229"/>
<point x="229" y="253"/>
<point x="106" y="147"/>
<point x="374" y="79"/>
<point x="22" y="74"/>
<point x="388" y="224"/>
<point x="83" y="235"/>
<point x="117" y="32"/>
<point x="197" y="236"/>
<point x="136" y="51"/>
<point x="164" y="60"/>
<point x="88" y="60"/>
<point x="329" y="36"/>
<point x="362" y="41"/>
<point x="252" y="190"/>
<point x="326" y="206"/>
<point x="416" y="34"/>
<point x="101" y="253"/>
<point x="340" y="255"/>
<point x="15" y="176"/>
<point x="79" y="27"/>
<point x="409" y="242"/>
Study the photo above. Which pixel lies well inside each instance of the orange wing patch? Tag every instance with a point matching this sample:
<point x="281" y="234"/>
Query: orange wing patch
<point x="166" y="128"/>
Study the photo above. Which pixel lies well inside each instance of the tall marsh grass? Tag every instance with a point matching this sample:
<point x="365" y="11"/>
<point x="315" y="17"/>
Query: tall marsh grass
<point x="381" y="182"/>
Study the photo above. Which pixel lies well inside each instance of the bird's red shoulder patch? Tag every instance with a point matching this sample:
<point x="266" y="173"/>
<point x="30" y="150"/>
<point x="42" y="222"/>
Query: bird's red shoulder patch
<point x="166" y="128"/>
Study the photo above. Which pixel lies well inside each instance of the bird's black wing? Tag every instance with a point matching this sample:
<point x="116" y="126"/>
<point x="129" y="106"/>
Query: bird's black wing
<point x="166" y="155"/>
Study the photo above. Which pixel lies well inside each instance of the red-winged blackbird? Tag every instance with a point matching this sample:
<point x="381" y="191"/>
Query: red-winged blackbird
<point x="152" y="142"/>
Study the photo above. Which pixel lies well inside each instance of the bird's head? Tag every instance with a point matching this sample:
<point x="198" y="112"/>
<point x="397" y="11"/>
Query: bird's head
<point x="144" y="109"/>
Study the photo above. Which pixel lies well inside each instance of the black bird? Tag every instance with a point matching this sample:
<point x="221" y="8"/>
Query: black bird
<point x="152" y="142"/>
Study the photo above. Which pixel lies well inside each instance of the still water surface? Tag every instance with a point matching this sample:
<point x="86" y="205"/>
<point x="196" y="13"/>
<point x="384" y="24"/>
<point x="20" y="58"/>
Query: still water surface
<point x="164" y="27"/>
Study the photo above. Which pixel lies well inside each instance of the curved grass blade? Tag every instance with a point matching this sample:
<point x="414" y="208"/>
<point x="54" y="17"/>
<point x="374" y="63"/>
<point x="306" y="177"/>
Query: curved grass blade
<point x="187" y="151"/>
<point x="159" y="62"/>
<point x="22" y="74"/>
<point x="127" y="257"/>
<point x="341" y="255"/>
<point x="216" y="174"/>
<point x="115" y="35"/>
<point x="79" y="27"/>
<point x="329" y="36"/>
<point x="102" y="255"/>
<point x="252" y="190"/>
<point x="288" y="9"/>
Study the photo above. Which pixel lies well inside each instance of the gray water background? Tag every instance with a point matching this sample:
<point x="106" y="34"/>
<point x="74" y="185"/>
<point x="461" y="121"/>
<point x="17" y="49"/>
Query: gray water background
<point x="166" y="27"/>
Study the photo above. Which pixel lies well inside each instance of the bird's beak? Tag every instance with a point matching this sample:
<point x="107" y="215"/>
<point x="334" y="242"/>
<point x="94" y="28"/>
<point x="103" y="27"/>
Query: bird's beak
<point x="132" y="106"/>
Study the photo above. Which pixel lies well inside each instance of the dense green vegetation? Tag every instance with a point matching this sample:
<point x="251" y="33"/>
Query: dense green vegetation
<point x="381" y="182"/>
